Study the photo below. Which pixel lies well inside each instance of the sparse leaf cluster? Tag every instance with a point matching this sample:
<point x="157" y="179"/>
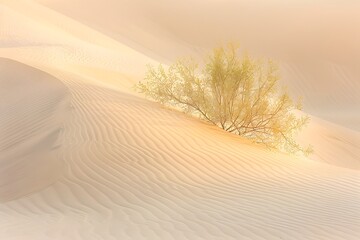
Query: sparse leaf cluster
<point x="237" y="93"/>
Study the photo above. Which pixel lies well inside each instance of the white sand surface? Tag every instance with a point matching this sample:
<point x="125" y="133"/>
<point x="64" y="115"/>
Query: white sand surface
<point x="83" y="157"/>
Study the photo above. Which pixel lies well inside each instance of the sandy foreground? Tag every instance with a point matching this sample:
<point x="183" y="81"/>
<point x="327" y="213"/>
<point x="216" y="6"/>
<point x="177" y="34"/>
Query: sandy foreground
<point x="84" y="157"/>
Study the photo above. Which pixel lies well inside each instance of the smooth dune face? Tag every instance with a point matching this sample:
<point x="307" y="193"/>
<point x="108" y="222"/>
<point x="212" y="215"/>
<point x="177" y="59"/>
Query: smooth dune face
<point x="66" y="44"/>
<point x="83" y="157"/>
<point x="333" y="144"/>
<point x="33" y="106"/>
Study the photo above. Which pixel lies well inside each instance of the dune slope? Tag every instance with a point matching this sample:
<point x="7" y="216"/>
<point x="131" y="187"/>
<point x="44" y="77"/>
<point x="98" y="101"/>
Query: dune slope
<point x="117" y="166"/>
<point x="165" y="176"/>
<point x="315" y="43"/>
<point x="32" y="109"/>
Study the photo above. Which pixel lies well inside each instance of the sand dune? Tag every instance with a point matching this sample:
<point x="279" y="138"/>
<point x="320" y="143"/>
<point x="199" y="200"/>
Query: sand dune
<point x="107" y="164"/>
<point x="33" y="106"/>
<point x="66" y="44"/>
<point x="316" y="43"/>
<point x="170" y="177"/>
<point x="333" y="144"/>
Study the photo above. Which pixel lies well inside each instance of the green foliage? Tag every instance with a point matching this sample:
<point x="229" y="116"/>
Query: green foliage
<point x="238" y="94"/>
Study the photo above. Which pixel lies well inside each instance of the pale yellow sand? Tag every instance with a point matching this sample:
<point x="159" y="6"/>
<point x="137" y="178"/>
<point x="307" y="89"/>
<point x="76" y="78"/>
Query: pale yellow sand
<point x="33" y="107"/>
<point x="316" y="42"/>
<point x="121" y="167"/>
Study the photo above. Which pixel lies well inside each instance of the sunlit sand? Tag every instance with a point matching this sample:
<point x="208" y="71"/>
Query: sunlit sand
<point x="83" y="156"/>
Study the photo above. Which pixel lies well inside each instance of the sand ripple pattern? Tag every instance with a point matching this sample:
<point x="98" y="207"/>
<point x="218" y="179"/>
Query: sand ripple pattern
<point x="127" y="168"/>
<point x="137" y="171"/>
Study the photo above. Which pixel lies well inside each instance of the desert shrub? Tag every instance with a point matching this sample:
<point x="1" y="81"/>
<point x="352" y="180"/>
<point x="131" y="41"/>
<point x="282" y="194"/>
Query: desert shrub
<point x="235" y="92"/>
